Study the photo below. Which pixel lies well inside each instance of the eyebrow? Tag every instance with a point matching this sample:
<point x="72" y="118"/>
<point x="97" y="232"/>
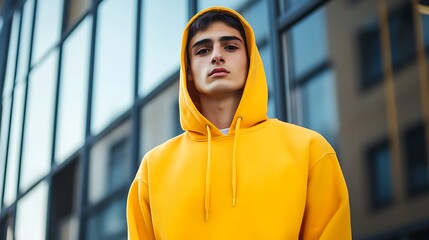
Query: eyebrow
<point x="222" y="39"/>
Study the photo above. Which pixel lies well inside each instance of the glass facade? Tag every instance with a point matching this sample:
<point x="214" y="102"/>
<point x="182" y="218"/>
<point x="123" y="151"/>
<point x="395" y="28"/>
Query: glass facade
<point x="88" y="87"/>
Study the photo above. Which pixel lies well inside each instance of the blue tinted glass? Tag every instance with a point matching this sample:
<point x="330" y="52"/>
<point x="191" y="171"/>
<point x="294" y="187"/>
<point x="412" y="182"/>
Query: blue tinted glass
<point x="267" y="60"/>
<point x="114" y="61"/>
<point x="4" y="127"/>
<point x="382" y="176"/>
<point x="24" y="45"/>
<point x="39" y="121"/>
<point x="309" y="43"/>
<point x="109" y="222"/>
<point x="31" y="214"/>
<point x="73" y="91"/>
<point x="291" y="5"/>
<point x="425" y="25"/>
<point x="320" y="105"/>
<point x="11" y="60"/>
<point x="257" y="16"/>
<point x="163" y="23"/>
<point x="47" y="30"/>
<point x="14" y="144"/>
<point x="236" y="5"/>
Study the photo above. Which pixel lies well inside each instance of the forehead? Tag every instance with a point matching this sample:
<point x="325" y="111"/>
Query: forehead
<point x="215" y="31"/>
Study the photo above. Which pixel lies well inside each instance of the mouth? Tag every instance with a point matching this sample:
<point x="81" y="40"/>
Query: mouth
<point x="219" y="71"/>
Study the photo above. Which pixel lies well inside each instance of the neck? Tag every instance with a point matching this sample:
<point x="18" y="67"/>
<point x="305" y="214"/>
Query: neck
<point x="220" y="110"/>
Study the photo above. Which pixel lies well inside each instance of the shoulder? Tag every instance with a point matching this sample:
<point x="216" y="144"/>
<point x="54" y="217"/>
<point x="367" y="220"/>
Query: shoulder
<point x="303" y="139"/>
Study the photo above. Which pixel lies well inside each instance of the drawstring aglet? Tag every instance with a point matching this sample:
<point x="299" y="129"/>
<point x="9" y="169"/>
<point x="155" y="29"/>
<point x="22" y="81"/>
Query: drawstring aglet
<point x="233" y="201"/>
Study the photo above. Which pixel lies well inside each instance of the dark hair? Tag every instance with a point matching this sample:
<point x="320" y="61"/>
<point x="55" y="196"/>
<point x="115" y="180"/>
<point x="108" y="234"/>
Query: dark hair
<point x="207" y="19"/>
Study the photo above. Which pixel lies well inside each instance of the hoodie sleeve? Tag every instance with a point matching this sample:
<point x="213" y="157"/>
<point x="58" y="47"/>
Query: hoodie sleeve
<point x="139" y="217"/>
<point x="327" y="212"/>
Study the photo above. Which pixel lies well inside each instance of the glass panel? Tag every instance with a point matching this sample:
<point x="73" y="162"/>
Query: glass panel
<point x="257" y="16"/>
<point x="160" y="50"/>
<point x="47" y="29"/>
<point x="11" y="60"/>
<point x="114" y="61"/>
<point x="24" y="45"/>
<point x="31" y="214"/>
<point x="309" y="43"/>
<point x="380" y="175"/>
<point x="4" y="137"/>
<point x="292" y="5"/>
<point x="14" y="145"/>
<point x="159" y="119"/>
<point x="36" y="157"/>
<point x="73" y="91"/>
<point x="267" y="60"/>
<point x="236" y="5"/>
<point x="106" y="155"/>
<point x="319" y="110"/>
<point x="110" y="222"/>
<point x="76" y="10"/>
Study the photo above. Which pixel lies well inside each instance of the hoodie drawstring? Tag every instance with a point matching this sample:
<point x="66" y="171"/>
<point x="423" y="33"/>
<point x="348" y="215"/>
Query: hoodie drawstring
<point x="234" y="162"/>
<point x="208" y="170"/>
<point x="207" y="193"/>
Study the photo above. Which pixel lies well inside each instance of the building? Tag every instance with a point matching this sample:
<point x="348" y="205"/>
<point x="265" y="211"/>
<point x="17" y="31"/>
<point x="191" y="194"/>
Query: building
<point x="88" y="86"/>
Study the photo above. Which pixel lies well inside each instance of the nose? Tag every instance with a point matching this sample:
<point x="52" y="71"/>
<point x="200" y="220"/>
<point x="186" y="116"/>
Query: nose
<point x="217" y="56"/>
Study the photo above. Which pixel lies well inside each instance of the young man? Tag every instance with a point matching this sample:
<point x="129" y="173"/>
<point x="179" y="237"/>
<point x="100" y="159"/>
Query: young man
<point x="234" y="174"/>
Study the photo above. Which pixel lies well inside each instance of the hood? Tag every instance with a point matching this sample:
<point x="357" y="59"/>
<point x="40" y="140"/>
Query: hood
<point x="252" y="108"/>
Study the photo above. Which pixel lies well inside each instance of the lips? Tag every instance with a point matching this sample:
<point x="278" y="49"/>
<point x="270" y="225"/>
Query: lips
<point x="218" y="71"/>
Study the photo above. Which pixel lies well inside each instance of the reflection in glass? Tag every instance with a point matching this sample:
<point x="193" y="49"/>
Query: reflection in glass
<point x="3" y="137"/>
<point x="320" y="105"/>
<point x="39" y="118"/>
<point x="380" y="175"/>
<point x="76" y="9"/>
<point x="105" y="156"/>
<point x="236" y="5"/>
<point x="267" y="60"/>
<point x="11" y="60"/>
<point x="110" y="222"/>
<point x="31" y="214"/>
<point x="160" y="50"/>
<point x="257" y="16"/>
<point x="291" y="5"/>
<point x="73" y="91"/>
<point x="14" y="144"/>
<point x="24" y="45"/>
<point x="114" y="58"/>
<point x="47" y="29"/>
<point x="309" y="43"/>
<point x="157" y="118"/>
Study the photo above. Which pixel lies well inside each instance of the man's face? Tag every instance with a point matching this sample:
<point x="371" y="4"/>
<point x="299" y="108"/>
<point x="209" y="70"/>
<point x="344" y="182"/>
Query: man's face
<point x="218" y="60"/>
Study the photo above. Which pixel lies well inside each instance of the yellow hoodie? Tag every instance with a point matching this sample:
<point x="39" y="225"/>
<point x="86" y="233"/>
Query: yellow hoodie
<point x="265" y="179"/>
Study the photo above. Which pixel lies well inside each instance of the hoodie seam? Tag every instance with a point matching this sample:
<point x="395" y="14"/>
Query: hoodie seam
<point x="320" y="160"/>
<point x="141" y="180"/>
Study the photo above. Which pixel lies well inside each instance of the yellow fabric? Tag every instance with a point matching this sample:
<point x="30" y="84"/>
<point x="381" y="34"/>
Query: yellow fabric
<point x="284" y="181"/>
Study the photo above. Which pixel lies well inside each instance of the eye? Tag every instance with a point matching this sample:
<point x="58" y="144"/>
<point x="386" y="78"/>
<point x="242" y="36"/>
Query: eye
<point x="231" y="47"/>
<point x="202" y="51"/>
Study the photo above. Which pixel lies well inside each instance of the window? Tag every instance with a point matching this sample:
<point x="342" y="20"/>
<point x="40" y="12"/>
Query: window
<point x="73" y="91"/>
<point x="110" y="152"/>
<point x="76" y="10"/>
<point x="402" y="43"/>
<point x="14" y="145"/>
<point x="380" y="175"/>
<point x="9" y="79"/>
<point x="31" y="214"/>
<point x="47" y="29"/>
<point x="160" y="50"/>
<point x="24" y="45"/>
<point x="114" y="61"/>
<point x="202" y="4"/>
<point x="416" y="164"/>
<point x="119" y="164"/>
<point x="291" y="5"/>
<point x="156" y="125"/>
<point x="37" y="145"/>
<point x="4" y="135"/>
<point x="6" y="228"/>
<point x="257" y="16"/>
<point x="110" y="223"/>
